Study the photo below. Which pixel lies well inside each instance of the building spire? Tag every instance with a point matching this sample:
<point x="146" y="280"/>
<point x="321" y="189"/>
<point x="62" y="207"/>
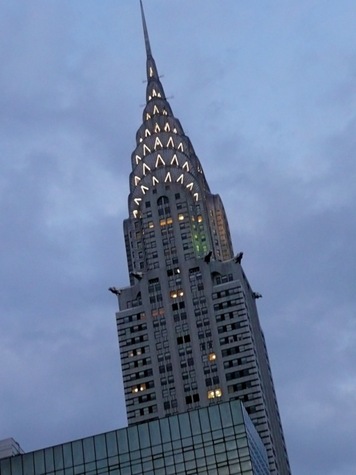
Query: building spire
<point x="145" y="32"/>
<point x="154" y="86"/>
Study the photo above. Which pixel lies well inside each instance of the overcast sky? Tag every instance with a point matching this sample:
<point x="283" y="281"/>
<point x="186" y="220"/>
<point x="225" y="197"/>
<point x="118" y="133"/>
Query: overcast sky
<point x="266" y="90"/>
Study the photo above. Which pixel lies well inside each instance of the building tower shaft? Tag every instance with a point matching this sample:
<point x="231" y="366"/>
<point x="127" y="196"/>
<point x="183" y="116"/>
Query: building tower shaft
<point x="188" y="326"/>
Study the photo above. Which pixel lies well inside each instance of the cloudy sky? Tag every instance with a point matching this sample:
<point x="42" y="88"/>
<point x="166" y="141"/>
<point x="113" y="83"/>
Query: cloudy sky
<point x="267" y="93"/>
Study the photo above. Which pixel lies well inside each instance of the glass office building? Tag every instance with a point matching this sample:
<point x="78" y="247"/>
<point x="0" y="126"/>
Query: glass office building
<point x="218" y="440"/>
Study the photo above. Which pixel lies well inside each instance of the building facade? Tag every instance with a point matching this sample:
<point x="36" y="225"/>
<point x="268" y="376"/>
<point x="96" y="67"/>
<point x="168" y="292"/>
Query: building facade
<point x="9" y="447"/>
<point x="188" y="326"/>
<point x="219" y="440"/>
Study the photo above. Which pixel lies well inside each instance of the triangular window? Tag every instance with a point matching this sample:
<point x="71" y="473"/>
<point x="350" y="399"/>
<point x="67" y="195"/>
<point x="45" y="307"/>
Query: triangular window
<point x="138" y="201"/>
<point x="138" y="159"/>
<point x="196" y="196"/>
<point x="186" y="166"/>
<point x="168" y="177"/>
<point x="146" y="150"/>
<point x="180" y="147"/>
<point x="154" y="181"/>
<point x="180" y="179"/>
<point x="158" y="144"/>
<point x="155" y="110"/>
<point x="167" y="127"/>
<point x="170" y="142"/>
<point x="147" y="133"/>
<point x="157" y="128"/>
<point x="137" y="179"/>
<point x="146" y="168"/>
<point x="175" y="160"/>
<point x="159" y="161"/>
<point x="190" y="186"/>
<point x="144" y="189"/>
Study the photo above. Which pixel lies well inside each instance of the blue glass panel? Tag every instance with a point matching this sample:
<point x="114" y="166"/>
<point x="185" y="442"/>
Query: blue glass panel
<point x="122" y="441"/>
<point x="100" y="446"/>
<point x="194" y="422"/>
<point x="67" y="455"/>
<point x="204" y="420"/>
<point x="49" y="459"/>
<point x="226" y="416"/>
<point x="111" y="443"/>
<point x="132" y="435"/>
<point x="5" y="466"/>
<point x="77" y="452"/>
<point x="215" y="419"/>
<point x="58" y="457"/>
<point x="88" y="448"/>
<point x="39" y="461"/>
<point x="16" y="465"/>
<point x="174" y="426"/>
<point x="144" y="435"/>
<point x="28" y="465"/>
<point x="155" y="432"/>
<point x="165" y="430"/>
<point x="184" y="424"/>
<point x="236" y="412"/>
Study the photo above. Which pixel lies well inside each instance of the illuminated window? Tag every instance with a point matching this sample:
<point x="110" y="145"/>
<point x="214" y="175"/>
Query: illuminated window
<point x="143" y="387"/>
<point x="154" y="93"/>
<point x="180" y="147"/>
<point x="137" y="179"/>
<point x="158" y="143"/>
<point x="170" y="142"/>
<point x="200" y="218"/>
<point x="138" y="201"/>
<point x="157" y="128"/>
<point x="165" y="112"/>
<point x="147" y="133"/>
<point x="148" y="116"/>
<point x="174" y="160"/>
<point x="186" y="166"/>
<point x="134" y="389"/>
<point x="173" y="294"/>
<point x="196" y="196"/>
<point x="180" y="179"/>
<point x="146" y="149"/>
<point x="144" y="189"/>
<point x="190" y="186"/>
<point x="169" y="220"/>
<point x="135" y="213"/>
<point x="154" y="181"/>
<point x="145" y="168"/>
<point x="180" y="293"/>
<point x="180" y="217"/>
<point x="167" y="127"/>
<point x="168" y="177"/>
<point x="151" y="71"/>
<point x="175" y="130"/>
<point x="212" y="357"/>
<point x="150" y="225"/>
<point x="159" y="161"/>
<point x="163" y="222"/>
<point x="214" y="393"/>
<point x="155" y="110"/>
<point x="138" y="158"/>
